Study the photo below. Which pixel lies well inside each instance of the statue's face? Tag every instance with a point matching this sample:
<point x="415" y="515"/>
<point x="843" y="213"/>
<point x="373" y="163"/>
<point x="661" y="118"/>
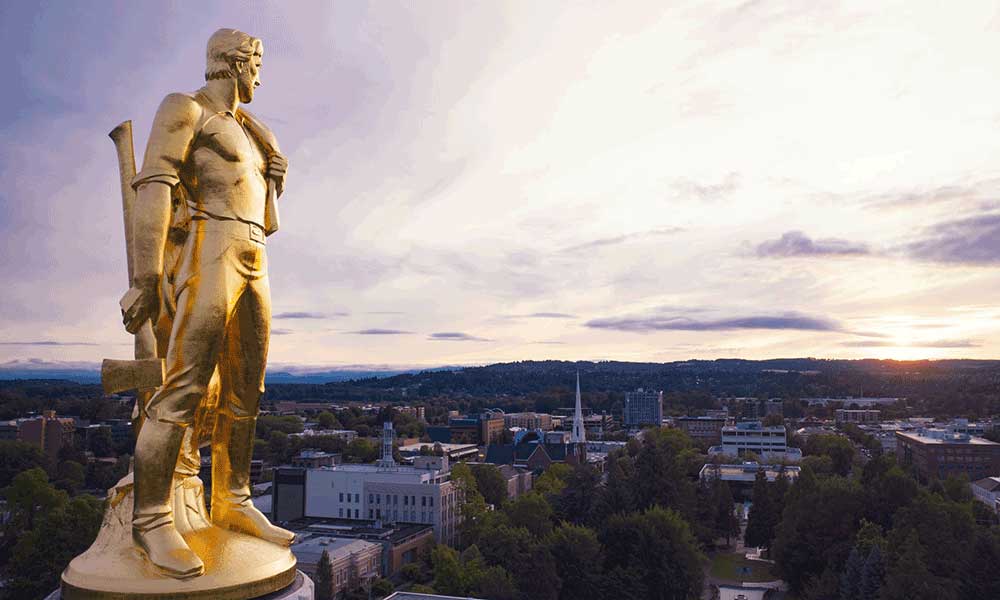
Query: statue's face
<point x="248" y="78"/>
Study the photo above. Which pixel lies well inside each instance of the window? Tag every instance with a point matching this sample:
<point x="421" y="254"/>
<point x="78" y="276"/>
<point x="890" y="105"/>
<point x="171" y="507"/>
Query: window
<point x="357" y="498"/>
<point x="371" y="498"/>
<point x="356" y="514"/>
<point x="341" y="496"/>
<point x="341" y="513"/>
<point x="406" y="500"/>
<point x="432" y="501"/>
<point x="423" y="501"/>
<point x="378" y="498"/>
<point x="371" y="513"/>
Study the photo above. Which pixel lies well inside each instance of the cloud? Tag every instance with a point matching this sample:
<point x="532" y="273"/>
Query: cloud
<point x="645" y="324"/>
<point x="455" y="336"/>
<point x="796" y="243"/>
<point x="381" y="332"/>
<point x="309" y="315"/>
<point x="541" y="315"/>
<point x="621" y="239"/>
<point x="47" y="343"/>
<point x="385" y="312"/>
<point x="550" y="343"/>
<point x="282" y="331"/>
<point x="930" y="344"/>
<point x="973" y="241"/>
<point x="708" y="192"/>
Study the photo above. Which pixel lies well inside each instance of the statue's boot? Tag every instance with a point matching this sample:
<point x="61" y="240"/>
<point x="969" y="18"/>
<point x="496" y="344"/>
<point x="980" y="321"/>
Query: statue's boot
<point x="152" y="515"/>
<point x="232" y="508"/>
<point x="190" y="514"/>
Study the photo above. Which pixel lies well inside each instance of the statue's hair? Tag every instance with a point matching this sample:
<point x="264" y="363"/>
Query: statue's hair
<point x="227" y="47"/>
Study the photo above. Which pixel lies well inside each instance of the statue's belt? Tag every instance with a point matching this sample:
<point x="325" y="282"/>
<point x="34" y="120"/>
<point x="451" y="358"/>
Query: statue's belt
<point x="236" y="227"/>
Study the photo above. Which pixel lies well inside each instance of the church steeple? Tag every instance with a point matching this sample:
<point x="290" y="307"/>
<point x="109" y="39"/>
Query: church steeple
<point x="579" y="433"/>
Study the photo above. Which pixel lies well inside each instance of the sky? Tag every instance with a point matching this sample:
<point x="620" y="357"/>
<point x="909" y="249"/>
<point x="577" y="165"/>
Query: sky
<point x="475" y="182"/>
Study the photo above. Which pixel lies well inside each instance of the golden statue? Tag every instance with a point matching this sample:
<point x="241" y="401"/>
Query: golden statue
<point x="196" y="218"/>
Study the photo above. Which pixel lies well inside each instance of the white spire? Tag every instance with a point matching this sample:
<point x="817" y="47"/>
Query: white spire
<point x="579" y="433"/>
<point x="388" y="435"/>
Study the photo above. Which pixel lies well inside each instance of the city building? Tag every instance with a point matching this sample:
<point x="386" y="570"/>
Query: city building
<point x="8" y="430"/>
<point x="857" y="415"/>
<point x="384" y="492"/>
<point x="987" y="491"/>
<point x="48" y="432"/>
<point x="741" y="477"/>
<point x="767" y="442"/>
<point x="939" y="453"/>
<point x="850" y="402"/>
<point x="482" y="430"/>
<point x="703" y="429"/>
<point x="774" y="406"/>
<point x="454" y="452"/>
<point x="353" y="562"/>
<point x="643" y="407"/>
<point x="348" y="435"/>
<point x="416" y="412"/>
<point x="313" y="459"/>
<point x="528" y="420"/>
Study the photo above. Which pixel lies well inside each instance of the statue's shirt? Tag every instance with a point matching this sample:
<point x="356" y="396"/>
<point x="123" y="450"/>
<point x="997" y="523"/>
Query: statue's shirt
<point x="221" y="166"/>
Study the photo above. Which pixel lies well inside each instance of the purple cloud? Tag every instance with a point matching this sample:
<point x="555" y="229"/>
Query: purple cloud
<point x="381" y="332"/>
<point x="796" y="243"/>
<point x="972" y="240"/>
<point x="645" y="324"/>
<point x="456" y="336"/>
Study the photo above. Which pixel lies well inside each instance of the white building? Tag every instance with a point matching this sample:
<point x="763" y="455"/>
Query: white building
<point x="987" y="491"/>
<point x="769" y="443"/>
<point x="387" y="492"/>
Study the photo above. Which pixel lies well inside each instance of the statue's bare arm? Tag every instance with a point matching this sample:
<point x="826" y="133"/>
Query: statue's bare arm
<point x="169" y="143"/>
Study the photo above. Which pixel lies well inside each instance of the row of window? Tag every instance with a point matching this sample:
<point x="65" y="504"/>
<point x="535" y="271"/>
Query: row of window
<point x="394" y="499"/>
<point x="357" y="497"/>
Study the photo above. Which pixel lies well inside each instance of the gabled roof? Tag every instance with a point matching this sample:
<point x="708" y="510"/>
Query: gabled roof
<point x="500" y="454"/>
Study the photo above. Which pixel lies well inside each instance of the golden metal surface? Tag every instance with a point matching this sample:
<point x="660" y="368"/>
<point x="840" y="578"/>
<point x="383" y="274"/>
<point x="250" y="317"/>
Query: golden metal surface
<point x="196" y="217"/>
<point x="237" y="566"/>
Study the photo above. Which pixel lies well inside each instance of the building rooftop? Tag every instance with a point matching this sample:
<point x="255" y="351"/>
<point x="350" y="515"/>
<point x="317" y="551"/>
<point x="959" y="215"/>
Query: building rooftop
<point x="941" y="436"/>
<point x="309" y="550"/>
<point x="990" y="484"/>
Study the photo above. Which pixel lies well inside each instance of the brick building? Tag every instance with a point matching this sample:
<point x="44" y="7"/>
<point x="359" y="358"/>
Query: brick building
<point x="937" y="454"/>
<point x="48" y="432"/>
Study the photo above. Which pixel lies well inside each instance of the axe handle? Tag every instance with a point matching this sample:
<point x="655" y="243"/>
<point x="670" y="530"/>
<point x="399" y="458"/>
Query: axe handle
<point x="145" y="341"/>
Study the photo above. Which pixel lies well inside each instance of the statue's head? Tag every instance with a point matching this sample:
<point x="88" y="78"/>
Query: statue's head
<point x="232" y="54"/>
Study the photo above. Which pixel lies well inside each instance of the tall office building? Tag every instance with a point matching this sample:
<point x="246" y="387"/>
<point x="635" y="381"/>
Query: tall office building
<point x="643" y="407"/>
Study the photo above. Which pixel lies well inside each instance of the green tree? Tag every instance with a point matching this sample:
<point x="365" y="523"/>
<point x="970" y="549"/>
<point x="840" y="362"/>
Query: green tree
<point x="850" y="580"/>
<point x="70" y="476"/>
<point x="908" y="576"/>
<point x="532" y="512"/>
<point x="724" y="515"/>
<point x="579" y="499"/>
<point x="49" y="530"/>
<point x="324" y="577"/>
<point x="838" y="448"/>
<point x="491" y="484"/>
<point x="763" y="517"/>
<point x="657" y="545"/>
<point x="101" y="442"/>
<point x="327" y="420"/>
<point x="872" y="575"/>
<point x="553" y="480"/>
<point x="449" y="574"/>
<point x="18" y="457"/>
<point x="495" y="583"/>
<point x="578" y="558"/>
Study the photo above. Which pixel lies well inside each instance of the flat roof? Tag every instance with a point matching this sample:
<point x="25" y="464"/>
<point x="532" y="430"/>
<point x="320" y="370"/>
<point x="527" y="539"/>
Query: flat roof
<point x="311" y="549"/>
<point x="957" y="439"/>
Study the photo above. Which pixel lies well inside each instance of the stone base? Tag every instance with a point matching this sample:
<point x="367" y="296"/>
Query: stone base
<point x="300" y="589"/>
<point x="237" y="566"/>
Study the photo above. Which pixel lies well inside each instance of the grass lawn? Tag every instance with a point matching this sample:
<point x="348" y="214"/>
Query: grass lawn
<point x="728" y="567"/>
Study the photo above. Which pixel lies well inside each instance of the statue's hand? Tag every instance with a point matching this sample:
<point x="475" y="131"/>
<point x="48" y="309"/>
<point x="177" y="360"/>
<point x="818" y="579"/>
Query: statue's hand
<point x="277" y="169"/>
<point x="140" y="303"/>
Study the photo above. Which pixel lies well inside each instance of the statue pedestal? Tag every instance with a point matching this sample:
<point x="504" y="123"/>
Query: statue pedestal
<point x="237" y="566"/>
<point x="300" y="589"/>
